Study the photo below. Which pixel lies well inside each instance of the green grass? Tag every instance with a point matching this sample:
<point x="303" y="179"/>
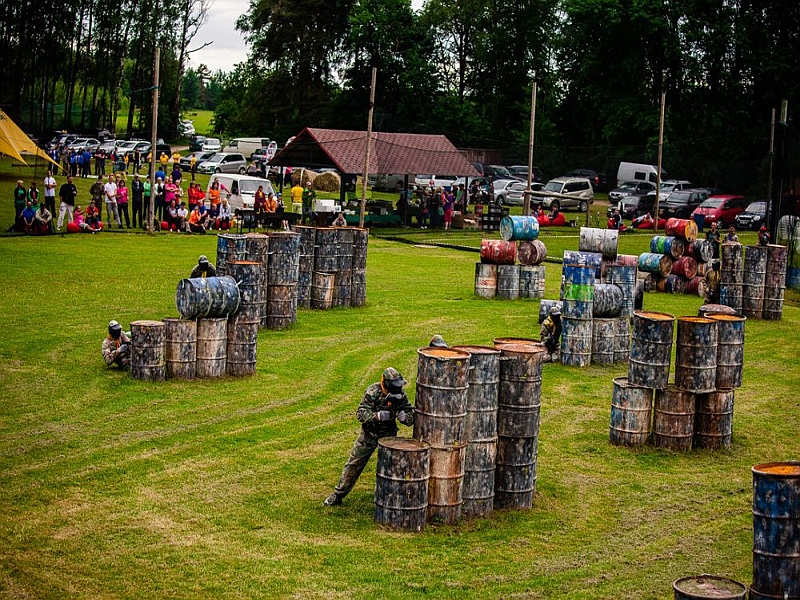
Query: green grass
<point x="111" y="487"/>
<point x="200" y="118"/>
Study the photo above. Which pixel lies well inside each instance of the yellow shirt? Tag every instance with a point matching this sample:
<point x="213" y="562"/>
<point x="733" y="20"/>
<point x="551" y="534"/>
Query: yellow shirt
<point x="297" y="194"/>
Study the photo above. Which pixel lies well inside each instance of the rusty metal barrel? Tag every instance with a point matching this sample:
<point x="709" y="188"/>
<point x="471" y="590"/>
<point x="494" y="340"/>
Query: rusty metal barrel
<point x="696" y="354"/>
<point x="325" y="257"/>
<point x="212" y="345"/>
<point x="603" y="341"/>
<point x="685" y="228"/>
<point x="480" y="431"/>
<point x="148" y="350"/>
<point x="713" y="419"/>
<point x="775" y="281"/>
<point x="686" y="266"/>
<point x="401" y="486"/>
<point x="576" y="342"/>
<point x="708" y="587"/>
<point x="230" y="246"/>
<point x="755" y="274"/>
<point x="776" y="531"/>
<point x="622" y="340"/>
<point x="531" y="281"/>
<point x="240" y="359"/>
<point x="658" y="264"/>
<point x="305" y="266"/>
<point x="282" y="275"/>
<point x="673" y="419"/>
<point x="604" y="241"/>
<point x="322" y="290"/>
<point x="498" y="252"/>
<point x="181" y="348"/>
<point x="531" y="252"/>
<point x="651" y="349"/>
<point x="440" y="420"/>
<point x="508" y="282"/>
<point x="485" y="280"/>
<point x="631" y="410"/>
<point x="519" y="405"/>
<point x="342" y="286"/>
<point x="730" y="349"/>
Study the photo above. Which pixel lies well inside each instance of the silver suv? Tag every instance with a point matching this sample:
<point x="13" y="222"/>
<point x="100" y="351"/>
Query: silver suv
<point x="567" y="192"/>
<point x="224" y="162"/>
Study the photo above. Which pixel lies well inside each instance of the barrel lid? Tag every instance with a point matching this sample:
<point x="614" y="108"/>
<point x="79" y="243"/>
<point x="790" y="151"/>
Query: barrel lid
<point x="443" y="353"/>
<point x="623" y="382"/>
<point x="243" y="262"/>
<point x="400" y="443"/>
<point x="147" y="323"/>
<point x="514" y="340"/>
<point x="654" y="316"/>
<point x="532" y="348"/>
<point x="710" y="586"/>
<point x="178" y="320"/>
<point x="725" y="317"/>
<point x="778" y="469"/>
<point x="693" y="319"/>
<point x="477" y="349"/>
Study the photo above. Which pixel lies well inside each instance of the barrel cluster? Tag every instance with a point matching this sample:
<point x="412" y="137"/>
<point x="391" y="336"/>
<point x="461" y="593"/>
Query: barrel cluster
<point x="476" y="435"/>
<point x="490" y="218"/>
<point x="499" y="275"/>
<point x="696" y="408"/>
<point x="753" y="278"/>
<point x="789" y="235"/>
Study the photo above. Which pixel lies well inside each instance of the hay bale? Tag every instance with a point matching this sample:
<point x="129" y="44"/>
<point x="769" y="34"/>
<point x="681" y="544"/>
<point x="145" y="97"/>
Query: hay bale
<point x="327" y="182"/>
<point x="303" y="176"/>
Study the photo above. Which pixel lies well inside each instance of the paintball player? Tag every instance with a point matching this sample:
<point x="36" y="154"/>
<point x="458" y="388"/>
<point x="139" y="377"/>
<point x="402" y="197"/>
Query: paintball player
<point x="383" y="403"/>
<point x="437" y="341"/>
<point x="551" y="332"/>
<point x="116" y="347"/>
<point x="203" y="268"/>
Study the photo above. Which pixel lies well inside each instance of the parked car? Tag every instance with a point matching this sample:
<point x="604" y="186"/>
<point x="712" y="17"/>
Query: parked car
<point x="128" y="147"/>
<point x="511" y="192"/>
<point x="61" y="139"/>
<point x="721" y="209"/>
<point x="196" y="143"/>
<point x="186" y="128"/>
<point x="223" y="162"/>
<point x="186" y="161"/>
<point x="680" y="204"/>
<point x="567" y="192"/>
<point x="212" y="145"/>
<point x="109" y="146"/>
<point x="435" y="181"/>
<point x="597" y="178"/>
<point x="240" y="190"/>
<point x="753" y="217"/>
<point x="631" y="207"/>
<point x="521" y="171"/>
<point x="630" y="188"/>
<point x="81" y="144"/>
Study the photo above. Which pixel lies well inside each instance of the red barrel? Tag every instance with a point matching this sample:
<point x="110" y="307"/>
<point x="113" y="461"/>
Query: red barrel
<point x="498" y="252"/>
<point x="685" y="228"/>
<point x="686" y="266"/>
<point x="532" y="253"/>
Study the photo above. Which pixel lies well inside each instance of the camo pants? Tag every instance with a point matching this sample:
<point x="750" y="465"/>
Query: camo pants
<point x="359" y="457"/>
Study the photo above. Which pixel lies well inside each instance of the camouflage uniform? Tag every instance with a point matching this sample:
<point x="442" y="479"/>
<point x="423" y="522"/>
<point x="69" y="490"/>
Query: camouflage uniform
<point x="551" y="333"/>
<point x="112" y="354"/>
<point x="375" y="400"/>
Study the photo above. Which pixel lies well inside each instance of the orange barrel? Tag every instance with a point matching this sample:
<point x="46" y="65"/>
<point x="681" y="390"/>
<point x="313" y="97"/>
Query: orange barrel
<point x="776" y="531"/>
<point x="696" y="355"/>
<point x="755" y="274"/>
<point x="401" y="486"/>
<point x="531" y="252"/>
<point x="730" y="349"/>
<point x="713" y="420"/>
<point x="708" y="587"/>
<point x="651" y="349"/>
<point x="686" y="266"/>
<point x="685" y="228"/>
<point x="673" y="419"/>
<point x="485" y="280"/>
<point x="498" y="252"/>
<point x="148" y="351"/>
<point x="631" y="409"/>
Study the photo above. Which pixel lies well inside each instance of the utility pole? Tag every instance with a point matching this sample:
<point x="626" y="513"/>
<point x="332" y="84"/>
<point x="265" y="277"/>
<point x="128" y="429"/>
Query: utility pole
<point x="767" y="219"/>
<point x="369" y="148"/>
<point x="153" y="141"/>
<point x="660" y="157"/>
<point x="526" y="209"/>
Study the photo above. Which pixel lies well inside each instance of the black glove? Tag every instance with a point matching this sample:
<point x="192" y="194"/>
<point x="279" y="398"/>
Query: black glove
<point x="383" y="415"/>
<point x="394" y="397"/>
<point x="402" y="417"/>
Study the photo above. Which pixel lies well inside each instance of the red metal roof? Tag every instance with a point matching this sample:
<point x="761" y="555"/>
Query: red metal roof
<point x="392" y="153"/>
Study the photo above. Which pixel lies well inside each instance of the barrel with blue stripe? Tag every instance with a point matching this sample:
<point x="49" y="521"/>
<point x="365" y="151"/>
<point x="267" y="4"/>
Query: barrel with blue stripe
<point x="624" y="276"/>
<point x="516" y="227"/>
<point x="651" y="262"/>
<point x="578" y="291"/>
<point x="667" y="244"/>
<point x="578" y="257"/>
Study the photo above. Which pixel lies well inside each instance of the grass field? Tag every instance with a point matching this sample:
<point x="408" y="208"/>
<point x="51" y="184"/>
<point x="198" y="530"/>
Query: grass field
<point x="200" y="118"/>
<point x="115" y="488"/>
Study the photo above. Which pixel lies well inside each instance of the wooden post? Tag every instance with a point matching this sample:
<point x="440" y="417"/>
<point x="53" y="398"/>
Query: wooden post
<point x="769" y="179"/>
<point x="369" y="147"/>
<point x="153" y="141"/>
<point x="660" y="156"/>
<point x="526" y="209"/>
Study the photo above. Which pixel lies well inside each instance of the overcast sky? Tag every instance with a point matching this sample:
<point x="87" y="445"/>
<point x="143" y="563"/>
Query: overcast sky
<point x="228" y="47"/>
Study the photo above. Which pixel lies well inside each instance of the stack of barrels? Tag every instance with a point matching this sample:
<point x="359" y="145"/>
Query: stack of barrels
<point x="339" y="264"/>
<point x="490" y="216"/>
<point x="697" y="409"/>
<point x="475" y="443"/>
<point x="753" y="278"/>
<point x="789" y="236"/>
<point x="499" y="275"/>
<point x="678" y="261"/>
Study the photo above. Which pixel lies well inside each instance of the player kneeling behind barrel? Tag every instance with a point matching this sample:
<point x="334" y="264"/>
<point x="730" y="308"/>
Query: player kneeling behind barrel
<point x="116" y="347"/>
<point x="383" y="403"/>
<point x="550" y="333"/>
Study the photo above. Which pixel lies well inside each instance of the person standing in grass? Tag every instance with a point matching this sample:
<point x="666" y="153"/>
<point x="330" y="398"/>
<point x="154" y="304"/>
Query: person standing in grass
<point x="67" y="193"/>
<point x="50" y="192"/>
<point x="309" y="195"/>
<point x="384" y="403"/>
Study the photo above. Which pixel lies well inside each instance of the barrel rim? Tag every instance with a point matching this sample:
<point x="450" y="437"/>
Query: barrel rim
<point x="404" y="443"/>
<point x="653" y="315"/>
<point x="536" y="348"/>
<point x="476" y="349"/>
<point x="732" y="596"/>
<point x="148" y="323"/>
<point x="761" y="468"/>
<point x="698" y="320"/>
<point x="726" y="317"/>
<point x="443" y="354"/>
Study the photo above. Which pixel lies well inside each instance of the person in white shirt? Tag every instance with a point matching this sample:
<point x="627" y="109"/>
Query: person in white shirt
<point x="50" y="193"/>
<point x="180" y="217"/>
<point x="110" y="191"/>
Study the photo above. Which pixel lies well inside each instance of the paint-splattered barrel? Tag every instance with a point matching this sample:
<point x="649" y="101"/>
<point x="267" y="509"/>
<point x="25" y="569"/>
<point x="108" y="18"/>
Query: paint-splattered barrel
<point x="755" y="273"/>
<point x="631" y="410"/>
<point x="708" y="587"/>
<point x="531" y="252"/>
<point x="603" y="339"/>
<point x="701" y="250"/>
<point x="480" y="430"/>
<point x="325" y="257"/>
<point x="622" y="340"/>
<point x="685" y="228"/>
<point x="730" y="294"/>
<point x="284" y="258"/>
<point x="401" y="483"/>
<point x="441" y="395"/>
<point x="607" y="302"/>
<point x="667" y="244"/>
<point x="775" y="281"/>
<point x="508" y="282"/>
<point x="713" y="419"/>
<point x="531" y="281"/>
<point x="360" y="247"/>
<point x="576" y="342"/>
<point x="604" y="241"/>
<point x="686" y="266"/>
<point x="342" y="286"/>
<point x="660" y="264"/>
<point x="732" y="261"/>
<point x="695" y="287"/>
<point x="730" y="349"/>
<point x="671" y="284"/>
<point x="519" y="405"/>
<point x="207" y="297"/>
<point x="579" y="283"/>
<point x="148" y="350"/>
<point x="624" y="276"/>
<point x="212" y="344"/>
<point x="651" y="348"/>
<point x="696" y="354"/>
<point x="673" y="419"/>
<point x="498" y="252"/>
<point x="776" y="531"/>
<point x="242" y="345"/>
<point x="708" y="309"/>
<point x="230" y="246"/>
<point x="358" y="288"/>
<point x="519" y="228"/>
<point x="258" y="251"/>
<point x="651" y="281"/>
<point x="305" y="265"/>
<point x="545" y="306"/>
<point x="181" y="348"/>
<point x="445" y="486"/>
<point x="591" y="259"/>
<point x="322" y="290"/>
<point x="248" y="275"/>
<point x="281" y="306"/>
<point x="485" y="280"/>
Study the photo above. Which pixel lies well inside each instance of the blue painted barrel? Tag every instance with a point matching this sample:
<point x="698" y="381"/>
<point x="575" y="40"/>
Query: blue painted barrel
<point x="607" y="301"/>
<point x="651" y="349"/>
<point x="776" y="531"/>
<point x="625" y="277"/>
<point x="519" y="228"/>
<point x="592" y="259"/>
<point x="576" y="342"/>
<point x="578" y="291"/>
<point x="207" y="297"/>
<point x="696" y="355"/>
<point x="793" y="278"/>
<point x="667" y="244"/>
<point x="650" y="262"/>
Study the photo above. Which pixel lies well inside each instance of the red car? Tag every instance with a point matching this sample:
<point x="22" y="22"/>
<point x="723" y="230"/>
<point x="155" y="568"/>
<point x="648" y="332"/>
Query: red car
<point x="721" y="209"/>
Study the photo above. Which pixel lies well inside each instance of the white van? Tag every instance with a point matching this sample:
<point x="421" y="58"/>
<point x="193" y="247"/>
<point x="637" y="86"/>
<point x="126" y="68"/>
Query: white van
<point x="240" y="190"/>
<point x="638" y="172"/>
<point x="246" y="146"/>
